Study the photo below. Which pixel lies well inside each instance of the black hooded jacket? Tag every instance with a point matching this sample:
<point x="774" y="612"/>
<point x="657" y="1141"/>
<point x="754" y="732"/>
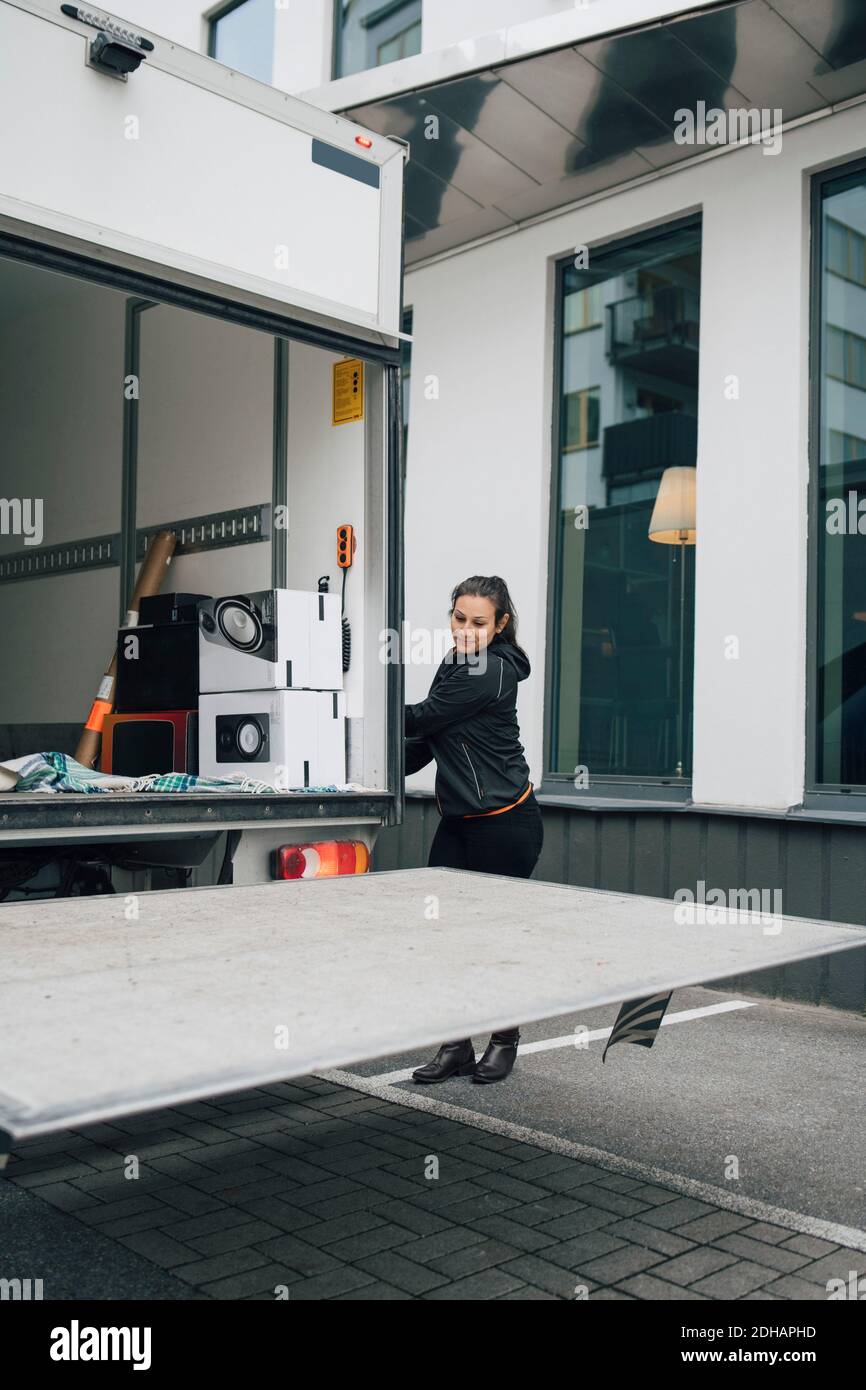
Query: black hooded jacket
<point x="468" y="723"/>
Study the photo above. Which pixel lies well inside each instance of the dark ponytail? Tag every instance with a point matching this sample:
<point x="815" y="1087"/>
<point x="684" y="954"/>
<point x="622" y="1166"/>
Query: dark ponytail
<point x="492" y="587"/>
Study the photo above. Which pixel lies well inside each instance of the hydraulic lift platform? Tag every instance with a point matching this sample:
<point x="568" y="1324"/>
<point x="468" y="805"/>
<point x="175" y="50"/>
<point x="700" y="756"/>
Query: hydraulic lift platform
<point x="111" y="1006"/>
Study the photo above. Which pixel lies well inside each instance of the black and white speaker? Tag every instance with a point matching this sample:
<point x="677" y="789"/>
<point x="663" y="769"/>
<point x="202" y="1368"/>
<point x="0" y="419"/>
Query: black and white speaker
<point x="287" y="738"/>
<point x="279" y="639"/>
<point x="157" y="660"/>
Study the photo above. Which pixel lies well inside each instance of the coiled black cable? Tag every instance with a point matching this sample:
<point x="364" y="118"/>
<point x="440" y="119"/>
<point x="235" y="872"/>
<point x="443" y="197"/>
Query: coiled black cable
<point x="324" y="581"/>
<point x="347" y="631"/>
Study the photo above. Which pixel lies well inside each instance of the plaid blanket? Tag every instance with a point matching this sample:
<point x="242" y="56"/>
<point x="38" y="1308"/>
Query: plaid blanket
<point x="57" y="772"/>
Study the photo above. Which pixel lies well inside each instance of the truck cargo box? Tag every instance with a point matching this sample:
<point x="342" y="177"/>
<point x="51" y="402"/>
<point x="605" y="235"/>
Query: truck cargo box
<point x="188" y="343"/>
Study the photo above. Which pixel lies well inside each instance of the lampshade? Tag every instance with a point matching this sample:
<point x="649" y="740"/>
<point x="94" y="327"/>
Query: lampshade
<point x="673" y="518"/>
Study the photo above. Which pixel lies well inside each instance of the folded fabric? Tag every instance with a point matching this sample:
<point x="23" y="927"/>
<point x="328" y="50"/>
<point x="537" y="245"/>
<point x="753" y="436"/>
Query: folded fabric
<point x="57" y="772"/>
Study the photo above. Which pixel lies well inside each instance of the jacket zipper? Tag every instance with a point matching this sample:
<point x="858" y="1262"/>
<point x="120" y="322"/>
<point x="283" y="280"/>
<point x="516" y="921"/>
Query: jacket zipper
<point x="469" y="760"/>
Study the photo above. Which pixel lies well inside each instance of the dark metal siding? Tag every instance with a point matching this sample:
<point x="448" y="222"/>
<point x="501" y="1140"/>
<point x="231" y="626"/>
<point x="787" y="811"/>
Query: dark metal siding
<point x="820" y="869"/>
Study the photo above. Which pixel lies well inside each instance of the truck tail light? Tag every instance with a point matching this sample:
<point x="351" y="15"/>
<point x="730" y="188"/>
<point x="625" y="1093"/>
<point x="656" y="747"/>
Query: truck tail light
<point x="321" y="859"/>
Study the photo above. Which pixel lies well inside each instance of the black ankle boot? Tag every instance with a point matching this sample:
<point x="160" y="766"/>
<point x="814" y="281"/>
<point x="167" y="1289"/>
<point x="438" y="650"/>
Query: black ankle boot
<point x="499" y="1056"/>
<point x="452" y="1059"/>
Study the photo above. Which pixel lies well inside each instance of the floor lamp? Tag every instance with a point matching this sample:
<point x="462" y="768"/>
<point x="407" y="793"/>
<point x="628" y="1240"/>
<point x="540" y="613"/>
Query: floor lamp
<point x="673" y="523"/>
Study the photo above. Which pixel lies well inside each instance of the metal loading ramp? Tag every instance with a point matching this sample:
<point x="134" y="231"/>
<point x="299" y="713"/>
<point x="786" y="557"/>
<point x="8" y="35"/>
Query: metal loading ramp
<point x="212" y="990"/>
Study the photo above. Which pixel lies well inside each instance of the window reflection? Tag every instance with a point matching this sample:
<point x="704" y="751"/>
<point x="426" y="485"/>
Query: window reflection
<point x="372" y="32"/>
<point x="627" y="410"/>
<point x="841" y="530"/>
<point x="242" y="37"/>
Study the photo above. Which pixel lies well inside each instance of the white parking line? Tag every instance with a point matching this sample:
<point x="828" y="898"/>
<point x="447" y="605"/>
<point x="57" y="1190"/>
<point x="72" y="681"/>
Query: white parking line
<point x="580" y="1040"/>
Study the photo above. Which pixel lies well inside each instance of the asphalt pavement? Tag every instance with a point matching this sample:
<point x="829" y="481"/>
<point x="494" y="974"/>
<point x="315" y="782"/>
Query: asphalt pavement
<point x="780" y="1087"/>
<point x="726" y="1162"/>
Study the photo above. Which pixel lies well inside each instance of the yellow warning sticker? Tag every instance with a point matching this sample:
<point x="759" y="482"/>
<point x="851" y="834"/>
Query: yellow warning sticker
<point x="348" y="392"/>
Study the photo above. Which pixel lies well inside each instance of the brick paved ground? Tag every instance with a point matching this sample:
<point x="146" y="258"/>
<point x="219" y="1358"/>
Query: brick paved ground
<point x="323" y="1188"/>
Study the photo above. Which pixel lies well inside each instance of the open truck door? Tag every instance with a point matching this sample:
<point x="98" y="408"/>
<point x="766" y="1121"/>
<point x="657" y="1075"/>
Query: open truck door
<point x="200" y="332"/>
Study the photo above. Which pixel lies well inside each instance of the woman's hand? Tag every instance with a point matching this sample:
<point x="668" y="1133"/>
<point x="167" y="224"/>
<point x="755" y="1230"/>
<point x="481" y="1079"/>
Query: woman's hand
<point x="418" y="754"/>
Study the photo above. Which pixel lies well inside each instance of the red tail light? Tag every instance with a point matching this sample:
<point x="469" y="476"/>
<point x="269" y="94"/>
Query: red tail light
<point x="321" y="859"/>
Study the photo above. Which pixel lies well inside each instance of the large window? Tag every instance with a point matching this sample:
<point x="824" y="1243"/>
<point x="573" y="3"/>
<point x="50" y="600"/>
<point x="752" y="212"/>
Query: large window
<point x="622" y="603"/>
<point x="242" y="36"/>
<point x="370" y="33"/>
<point x="839" y="464"/>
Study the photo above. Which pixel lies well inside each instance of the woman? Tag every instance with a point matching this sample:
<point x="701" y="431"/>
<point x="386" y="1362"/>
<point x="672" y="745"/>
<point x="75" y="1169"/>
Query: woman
<point x="490" y="820"/>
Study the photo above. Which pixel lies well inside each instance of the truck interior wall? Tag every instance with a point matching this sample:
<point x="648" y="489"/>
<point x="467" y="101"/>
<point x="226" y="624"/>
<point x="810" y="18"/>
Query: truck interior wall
<point x="205" y="438"/>
<point x="61" y="427"/>
<point x="326" y="489"/>
<point x="205" y="445"/>
<point x="335" y="476"/>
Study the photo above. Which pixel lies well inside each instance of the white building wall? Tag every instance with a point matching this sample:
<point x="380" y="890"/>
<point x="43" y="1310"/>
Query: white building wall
<point x="180" y="20"/>
<point x="303" y="45"/>
<point x="479" y="459"/>
<point x="456" y="36"/>
<point x="304" y="29"/>
<point x="444" y="22"/>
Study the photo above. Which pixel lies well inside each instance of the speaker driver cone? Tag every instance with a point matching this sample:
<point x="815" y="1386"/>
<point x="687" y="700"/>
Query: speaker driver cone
<point x="249" y="738"/>
<point x="239" y="625"/>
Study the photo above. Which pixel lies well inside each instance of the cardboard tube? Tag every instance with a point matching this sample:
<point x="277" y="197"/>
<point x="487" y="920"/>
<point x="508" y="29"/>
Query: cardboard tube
<point x="149" y="583"/>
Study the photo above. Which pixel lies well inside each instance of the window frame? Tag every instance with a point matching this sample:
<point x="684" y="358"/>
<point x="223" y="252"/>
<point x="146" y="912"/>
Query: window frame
<point x="604" y="785"/>
<point x="827" y="795"/>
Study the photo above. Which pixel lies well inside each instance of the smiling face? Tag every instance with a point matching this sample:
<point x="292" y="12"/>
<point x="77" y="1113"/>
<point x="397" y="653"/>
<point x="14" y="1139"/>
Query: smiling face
<point x="473" y="622"/>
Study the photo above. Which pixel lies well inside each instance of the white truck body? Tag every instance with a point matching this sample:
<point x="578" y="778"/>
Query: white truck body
<point x="173" y="171"/>
<point x="170" y="315"/>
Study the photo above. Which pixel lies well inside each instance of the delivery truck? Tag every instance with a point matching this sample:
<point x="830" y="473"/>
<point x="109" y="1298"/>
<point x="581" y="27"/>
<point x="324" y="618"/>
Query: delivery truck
<point x="200" y="339"/>
<point x="200" y="345"/>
